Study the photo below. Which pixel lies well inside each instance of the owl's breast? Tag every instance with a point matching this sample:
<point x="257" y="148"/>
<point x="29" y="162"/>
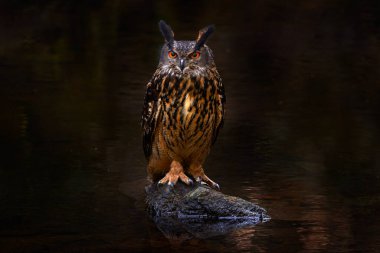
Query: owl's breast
<point x="189" y="109"/>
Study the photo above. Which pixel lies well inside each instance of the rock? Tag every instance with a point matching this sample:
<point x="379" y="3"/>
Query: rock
<point x="199" y="211"/>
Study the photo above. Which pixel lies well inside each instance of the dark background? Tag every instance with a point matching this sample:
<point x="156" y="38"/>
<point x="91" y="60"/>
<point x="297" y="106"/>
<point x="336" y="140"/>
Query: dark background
<point x="301" y="134"/>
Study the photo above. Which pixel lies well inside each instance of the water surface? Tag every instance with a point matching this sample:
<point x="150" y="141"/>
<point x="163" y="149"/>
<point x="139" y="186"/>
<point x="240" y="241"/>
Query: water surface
<point x="301" y="135"/>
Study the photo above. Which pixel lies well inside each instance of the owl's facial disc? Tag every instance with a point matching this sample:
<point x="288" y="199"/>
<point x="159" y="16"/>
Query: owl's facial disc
<point x="183" y="58"/>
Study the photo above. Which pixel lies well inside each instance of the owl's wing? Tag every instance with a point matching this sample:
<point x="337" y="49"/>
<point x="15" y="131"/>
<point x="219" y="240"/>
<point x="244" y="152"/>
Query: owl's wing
<point x="221" y="98"/>
<point x="150" y="116"/>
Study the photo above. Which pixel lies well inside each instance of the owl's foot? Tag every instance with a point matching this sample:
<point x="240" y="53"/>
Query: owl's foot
<point x="176" y="172"/>
<point x="199" y="175"/>
<point x="203" y="179"/>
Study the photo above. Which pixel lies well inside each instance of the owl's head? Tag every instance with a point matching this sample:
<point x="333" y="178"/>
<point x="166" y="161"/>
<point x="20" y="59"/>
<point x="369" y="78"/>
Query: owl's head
<point x="186" y="56"/>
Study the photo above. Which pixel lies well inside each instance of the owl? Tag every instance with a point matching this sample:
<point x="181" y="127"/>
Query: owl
<point x="183" y="110"/>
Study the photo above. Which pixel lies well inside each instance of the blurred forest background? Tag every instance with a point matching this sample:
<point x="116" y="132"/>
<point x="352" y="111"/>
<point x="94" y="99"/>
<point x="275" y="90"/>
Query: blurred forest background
<point x="301" y="135"/>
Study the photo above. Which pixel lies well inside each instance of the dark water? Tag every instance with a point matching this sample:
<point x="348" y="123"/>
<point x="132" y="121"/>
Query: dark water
<point x="301" y="136"/>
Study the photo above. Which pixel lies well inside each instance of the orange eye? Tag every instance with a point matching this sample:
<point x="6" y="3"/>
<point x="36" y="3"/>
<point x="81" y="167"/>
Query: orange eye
<point x="195" y="55"/>
<point x="172" y="55"/>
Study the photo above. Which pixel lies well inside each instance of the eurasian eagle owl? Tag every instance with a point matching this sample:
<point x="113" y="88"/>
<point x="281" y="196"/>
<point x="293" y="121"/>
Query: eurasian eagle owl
<point x="183" y="110"/>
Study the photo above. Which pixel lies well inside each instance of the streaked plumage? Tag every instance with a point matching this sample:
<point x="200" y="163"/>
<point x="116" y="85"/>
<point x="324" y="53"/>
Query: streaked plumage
<point x="183" y="110"/>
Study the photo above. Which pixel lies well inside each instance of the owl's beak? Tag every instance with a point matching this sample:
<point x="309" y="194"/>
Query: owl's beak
<point x="182" y="64"/>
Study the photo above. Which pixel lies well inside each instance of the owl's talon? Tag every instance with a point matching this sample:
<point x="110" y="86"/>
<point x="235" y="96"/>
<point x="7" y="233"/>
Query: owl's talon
<point x="190" y="182"/>
<point x="216" y="186"/>
<point x="160" y="183"/>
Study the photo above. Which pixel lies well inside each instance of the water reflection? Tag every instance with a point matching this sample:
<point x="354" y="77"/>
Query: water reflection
<point x="242" y="240"/>
<point x="300" y="138"/>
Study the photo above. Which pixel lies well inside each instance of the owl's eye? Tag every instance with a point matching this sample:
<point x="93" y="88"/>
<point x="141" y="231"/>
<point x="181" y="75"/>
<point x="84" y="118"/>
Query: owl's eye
<point x="195" y="55"/>
<point x="172" y="55"/>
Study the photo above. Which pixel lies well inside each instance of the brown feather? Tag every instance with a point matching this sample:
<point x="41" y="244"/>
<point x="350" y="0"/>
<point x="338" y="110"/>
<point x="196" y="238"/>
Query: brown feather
<point x="181" y="117"/>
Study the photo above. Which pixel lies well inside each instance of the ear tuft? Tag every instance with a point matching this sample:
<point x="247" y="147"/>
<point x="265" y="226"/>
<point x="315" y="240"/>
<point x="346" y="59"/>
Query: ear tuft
<point x="167" y="32"/>
<point x="203" y="35"/>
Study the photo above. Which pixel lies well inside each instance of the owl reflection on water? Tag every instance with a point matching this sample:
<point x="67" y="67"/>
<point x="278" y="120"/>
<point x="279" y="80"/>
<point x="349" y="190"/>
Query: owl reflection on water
<point x="183" y="110"/>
